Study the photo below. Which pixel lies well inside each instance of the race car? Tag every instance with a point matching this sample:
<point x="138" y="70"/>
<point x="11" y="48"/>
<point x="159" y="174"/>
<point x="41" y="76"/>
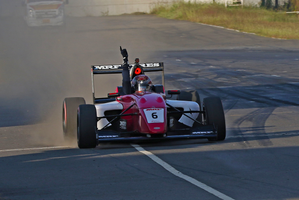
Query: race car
<point x="44" y="12"/>
<point x="140" y="110"/>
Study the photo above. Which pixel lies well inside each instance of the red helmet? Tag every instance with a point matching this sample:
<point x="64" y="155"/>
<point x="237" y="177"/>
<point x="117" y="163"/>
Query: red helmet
<point x="141" y="83"/>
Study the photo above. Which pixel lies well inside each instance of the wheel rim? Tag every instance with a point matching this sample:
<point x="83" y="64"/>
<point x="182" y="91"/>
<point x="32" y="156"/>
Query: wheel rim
<point x="78" y="127"/>
<point x="64" y="116"/>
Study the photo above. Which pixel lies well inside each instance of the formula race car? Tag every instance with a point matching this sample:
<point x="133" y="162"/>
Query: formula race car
<point x="140" y="110"/>
<point x="44" y="12"/>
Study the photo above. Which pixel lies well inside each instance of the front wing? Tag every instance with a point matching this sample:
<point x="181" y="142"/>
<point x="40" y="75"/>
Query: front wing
<point x="204" y="131"/>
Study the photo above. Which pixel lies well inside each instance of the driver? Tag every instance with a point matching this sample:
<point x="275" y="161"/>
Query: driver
<point x="141" y="83"/>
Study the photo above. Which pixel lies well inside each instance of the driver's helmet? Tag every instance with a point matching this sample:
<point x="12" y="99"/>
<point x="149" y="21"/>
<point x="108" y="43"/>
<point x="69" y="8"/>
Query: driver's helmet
<point x="141" y="83"/>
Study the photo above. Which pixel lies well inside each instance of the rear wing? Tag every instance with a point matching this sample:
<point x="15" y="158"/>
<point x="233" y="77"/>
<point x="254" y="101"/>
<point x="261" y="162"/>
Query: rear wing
<point x="117" y="69"/>
<point x="112" y="69"/>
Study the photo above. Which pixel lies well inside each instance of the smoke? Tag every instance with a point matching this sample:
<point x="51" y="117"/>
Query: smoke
<point x="39" y="67"/>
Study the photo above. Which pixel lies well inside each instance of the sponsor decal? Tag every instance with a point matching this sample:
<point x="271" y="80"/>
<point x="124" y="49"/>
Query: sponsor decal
<point x="152" y="109"/>
<point x="122" y="124"/>
<point x="150" y="65"/>
<point x="171" y="122"/>
<point x="108" y="136"/>
<point x="202" y="132"/>
<point x="104" y="67"/>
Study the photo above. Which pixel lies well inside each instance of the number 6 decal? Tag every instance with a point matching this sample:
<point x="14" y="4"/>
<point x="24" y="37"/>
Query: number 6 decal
<point x="154" y="115"/>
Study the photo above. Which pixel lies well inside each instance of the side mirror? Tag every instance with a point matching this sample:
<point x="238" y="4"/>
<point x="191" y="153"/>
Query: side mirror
<point x="171" y="92"/>
<point x="113" y="95"/>
<point x="158" y="88"/>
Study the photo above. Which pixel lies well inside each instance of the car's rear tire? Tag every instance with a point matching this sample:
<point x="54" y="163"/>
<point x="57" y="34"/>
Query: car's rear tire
<point x="86" y="126"/>
<point x="191" y="95"/>
<point x="214" y="115"/>
<point x="69" y="116"/>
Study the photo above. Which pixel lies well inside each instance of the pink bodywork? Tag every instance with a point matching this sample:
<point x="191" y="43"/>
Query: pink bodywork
<point x="143" y="100"/>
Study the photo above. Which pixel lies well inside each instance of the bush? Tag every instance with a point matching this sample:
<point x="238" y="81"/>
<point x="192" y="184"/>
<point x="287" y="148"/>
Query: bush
<point x="295" y="5"/>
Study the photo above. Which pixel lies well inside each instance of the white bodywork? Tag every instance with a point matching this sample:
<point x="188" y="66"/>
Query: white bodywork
<point x="101" y="108"/>
<point x="186" y="105"/>
<point x="44" y="13"/>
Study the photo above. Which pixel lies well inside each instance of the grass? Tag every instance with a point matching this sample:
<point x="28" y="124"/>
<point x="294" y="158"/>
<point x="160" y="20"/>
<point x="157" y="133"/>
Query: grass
<point x="269" y="23"/>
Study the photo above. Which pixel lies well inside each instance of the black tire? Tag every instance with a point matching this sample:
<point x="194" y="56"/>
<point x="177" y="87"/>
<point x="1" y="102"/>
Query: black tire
<point x="69" y="116"/>
<point x="214" y="115"/>
<point x="86" y="126"/>
<point x="191" y="95"/>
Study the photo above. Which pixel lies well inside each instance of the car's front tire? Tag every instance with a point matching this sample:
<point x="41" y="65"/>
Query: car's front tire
<point x="86" y="126"/>
<point x="214" y="115"/>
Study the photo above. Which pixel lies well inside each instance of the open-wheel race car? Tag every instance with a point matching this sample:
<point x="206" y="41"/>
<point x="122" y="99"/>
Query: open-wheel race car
<point x="140" y="110"/>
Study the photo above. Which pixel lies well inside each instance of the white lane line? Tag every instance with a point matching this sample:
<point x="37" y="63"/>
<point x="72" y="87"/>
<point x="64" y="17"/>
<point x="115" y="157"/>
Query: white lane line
<point x="181" y="175"/>
<point x="32" y="149"/>
<point x="236" y="30"/>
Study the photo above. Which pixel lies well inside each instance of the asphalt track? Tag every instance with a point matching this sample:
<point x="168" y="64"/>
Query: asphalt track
<point x="257" y="79"/>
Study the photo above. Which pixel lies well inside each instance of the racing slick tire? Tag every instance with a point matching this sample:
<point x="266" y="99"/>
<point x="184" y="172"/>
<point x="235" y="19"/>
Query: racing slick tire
<point x="214" y="115"/>
<point x="69" y="116"/>
<point x="86" y="126"/>
<point x="191" y="95"/>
